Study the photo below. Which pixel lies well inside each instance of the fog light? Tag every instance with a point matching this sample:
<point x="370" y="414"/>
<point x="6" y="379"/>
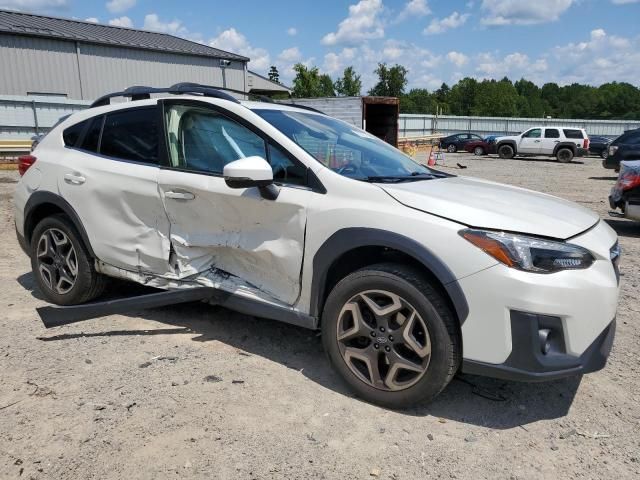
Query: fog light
<point x="545" y="341"/>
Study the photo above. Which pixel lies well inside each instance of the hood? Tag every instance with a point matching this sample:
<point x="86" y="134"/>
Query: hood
<point x="484" y="204"/>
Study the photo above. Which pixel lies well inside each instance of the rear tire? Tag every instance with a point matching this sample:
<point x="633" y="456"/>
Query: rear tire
<point x="478" y="151"/>
<point x="452" y="148"/>
<point x="391" y="335"/>
<point x="604" y="153"/>
<point x="564" y="155"/>
<point x="506" y="152"/>
<point x="61" y="264"/>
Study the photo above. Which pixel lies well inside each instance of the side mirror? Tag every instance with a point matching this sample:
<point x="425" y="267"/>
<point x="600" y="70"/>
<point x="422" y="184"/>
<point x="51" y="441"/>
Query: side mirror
<point x="251" y="172"/>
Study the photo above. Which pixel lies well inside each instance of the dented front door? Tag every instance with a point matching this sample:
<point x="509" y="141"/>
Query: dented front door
<point x="233" y="237"/>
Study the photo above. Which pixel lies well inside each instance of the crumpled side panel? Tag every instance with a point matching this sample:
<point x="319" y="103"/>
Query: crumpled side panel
<point x="629" y="172"/>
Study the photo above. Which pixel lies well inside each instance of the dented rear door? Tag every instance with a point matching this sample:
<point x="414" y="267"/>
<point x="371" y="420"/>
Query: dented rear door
<point x="234" y="237"/>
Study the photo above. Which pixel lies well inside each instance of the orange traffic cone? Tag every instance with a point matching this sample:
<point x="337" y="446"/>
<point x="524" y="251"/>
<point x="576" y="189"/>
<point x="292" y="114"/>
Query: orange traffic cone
<point x="432" y="159"/>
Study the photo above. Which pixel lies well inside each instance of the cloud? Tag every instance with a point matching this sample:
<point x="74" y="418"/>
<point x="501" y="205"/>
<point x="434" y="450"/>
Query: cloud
<point x="457" y="58"/>
<point x="514" y="65"/>
<point x="292" y="31"/>
<point x="34" y="5"/>
<point x="175" y="27"/>
<point x="454" y="20"/>
<point x="231" y="40"/>
<point x="414" y="9"/>
<point x="121" y="22"/>
<point x="523" y="12"/>
<point x="624" y="2"/>
<point x="363" y="23"/>
<point x="335" y="63"/>
<point x="292" y="54"/>
<point x="92" y="20"/>
<point x="119" y="6"/>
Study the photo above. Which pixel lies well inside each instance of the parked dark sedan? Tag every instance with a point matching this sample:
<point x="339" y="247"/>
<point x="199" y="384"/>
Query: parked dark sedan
<point x="482" y="147"/>
<point x="599" y="145"/>
<point x="456" y="142"/>
<point x="625" y="147"/>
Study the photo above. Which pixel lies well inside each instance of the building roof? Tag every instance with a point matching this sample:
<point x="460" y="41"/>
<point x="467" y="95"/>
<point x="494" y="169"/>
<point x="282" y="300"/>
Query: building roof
<point x="276" y="85"/>
<point x="20" y="23"/>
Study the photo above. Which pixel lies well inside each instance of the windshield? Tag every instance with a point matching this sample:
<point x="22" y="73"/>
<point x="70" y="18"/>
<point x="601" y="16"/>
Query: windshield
<point x="347" y="150"/>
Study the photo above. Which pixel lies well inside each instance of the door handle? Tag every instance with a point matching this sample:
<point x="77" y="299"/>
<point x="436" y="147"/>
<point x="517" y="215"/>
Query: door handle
<point x="556" y="141"/>
<point x="74" y="178"/>
<point x="179" y="195"/>
<point x="537" y="141"/>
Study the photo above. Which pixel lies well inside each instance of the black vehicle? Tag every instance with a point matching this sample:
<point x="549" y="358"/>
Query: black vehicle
<point x="625" y="195"/>
<point x="625" y="147"/>
<point x="457" y="141"/>
<point x="599" y="145"/>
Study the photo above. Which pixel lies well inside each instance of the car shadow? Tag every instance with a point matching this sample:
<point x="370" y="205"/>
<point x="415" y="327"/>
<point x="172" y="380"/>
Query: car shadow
<point x="546" y="160"/>
<point x="468" y="399"/>
<point x="625" y="228"/>
<point x="604" y="178"/>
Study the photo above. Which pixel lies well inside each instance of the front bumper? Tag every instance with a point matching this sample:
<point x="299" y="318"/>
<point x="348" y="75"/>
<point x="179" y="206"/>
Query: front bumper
<point x="527" y="362"/>
<point x="508" y="308"/>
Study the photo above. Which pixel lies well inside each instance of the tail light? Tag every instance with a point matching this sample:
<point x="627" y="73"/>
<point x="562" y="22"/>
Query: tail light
<point x="585" y="144"/>
<point x="629" y="181"/>
<point x="24" y="163"/>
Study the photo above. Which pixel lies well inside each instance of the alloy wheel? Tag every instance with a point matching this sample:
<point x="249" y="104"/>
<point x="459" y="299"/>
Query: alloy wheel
<point x="383" y="340"/>
<point x="57" y="261"/>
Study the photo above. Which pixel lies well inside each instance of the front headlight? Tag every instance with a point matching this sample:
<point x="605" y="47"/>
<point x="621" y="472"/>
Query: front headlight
<point x="529" y="253"/>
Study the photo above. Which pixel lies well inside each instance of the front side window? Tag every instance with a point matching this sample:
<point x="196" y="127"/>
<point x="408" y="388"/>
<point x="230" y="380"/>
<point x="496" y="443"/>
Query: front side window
<point x="131" y="135"/>
<point x="345" y="149"/>
<point x="71" y="134"/>
<point x="551" y="133"/>
<point x="204" y="140"/>
<point x="534" y="133"/>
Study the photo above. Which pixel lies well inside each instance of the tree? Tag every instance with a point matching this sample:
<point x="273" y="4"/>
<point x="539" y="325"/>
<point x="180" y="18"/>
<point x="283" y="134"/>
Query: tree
<point x="349" y="85"/>
<point x="326" y="86"/>
<point x="418" y="100"/>
<point x="391" y="81"/>
<point x="309" y="83"/>
<point x="461" y="97"/>
<point x="274" y="76"/>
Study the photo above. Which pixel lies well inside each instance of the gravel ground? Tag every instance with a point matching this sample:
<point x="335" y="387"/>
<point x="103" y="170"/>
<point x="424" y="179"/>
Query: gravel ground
<point x="200" y="392"/>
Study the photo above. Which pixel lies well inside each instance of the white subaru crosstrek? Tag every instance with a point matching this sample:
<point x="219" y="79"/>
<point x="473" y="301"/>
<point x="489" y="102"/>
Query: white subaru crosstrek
<point x="411" y="274"/>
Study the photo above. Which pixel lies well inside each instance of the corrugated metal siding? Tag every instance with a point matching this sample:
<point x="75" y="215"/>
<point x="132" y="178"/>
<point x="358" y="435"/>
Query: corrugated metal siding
<point x="412" y="125"/>
<point x="347" y="109"/>
<point x="30" y="64"/>
<point x="256" y="82"/>
<point x="18" y="119"/>
<point x="109" y="69"/>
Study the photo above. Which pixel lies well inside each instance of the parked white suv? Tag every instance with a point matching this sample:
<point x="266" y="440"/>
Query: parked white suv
<point x="563" y="143"/>
<point x="411" y="274"/>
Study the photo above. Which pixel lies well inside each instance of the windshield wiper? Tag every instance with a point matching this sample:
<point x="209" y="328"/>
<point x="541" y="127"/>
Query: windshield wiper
<point x="413" y="177"/>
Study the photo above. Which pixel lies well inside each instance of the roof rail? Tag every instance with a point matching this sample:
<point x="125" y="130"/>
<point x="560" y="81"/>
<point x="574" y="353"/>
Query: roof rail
<point x="144" y="93"/>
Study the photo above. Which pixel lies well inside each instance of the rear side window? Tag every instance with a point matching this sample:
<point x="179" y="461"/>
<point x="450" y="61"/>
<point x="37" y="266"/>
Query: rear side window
<point x="131" y="135"/>
<point x="551" y="133"/>
<point x="91" y="140"/>
<point x="629" y="138"/>
<point x="71" y="134"/>
<point x="572" y="133"/>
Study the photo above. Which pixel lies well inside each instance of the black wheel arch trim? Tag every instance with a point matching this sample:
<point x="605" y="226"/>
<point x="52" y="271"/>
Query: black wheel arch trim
<point x="569" y="145"/>
<point x="347" y="239"/>
<point x="39" y="198"/>
<point x="511" y="143"/>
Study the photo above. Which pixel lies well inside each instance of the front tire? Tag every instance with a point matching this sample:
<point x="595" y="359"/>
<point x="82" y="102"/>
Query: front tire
<point x="506" y="152"/>
<point x="391" y="335"/>
<point x="61" y="264"/>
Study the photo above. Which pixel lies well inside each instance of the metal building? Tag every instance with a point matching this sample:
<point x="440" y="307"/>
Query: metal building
<point x="48" y="56"/>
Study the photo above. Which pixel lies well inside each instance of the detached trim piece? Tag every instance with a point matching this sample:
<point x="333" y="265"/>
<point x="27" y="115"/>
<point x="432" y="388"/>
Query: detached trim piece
<point x="57" y="316"/>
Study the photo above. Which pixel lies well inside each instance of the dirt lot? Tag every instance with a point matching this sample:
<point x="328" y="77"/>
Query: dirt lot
<point x="199" y="392"/>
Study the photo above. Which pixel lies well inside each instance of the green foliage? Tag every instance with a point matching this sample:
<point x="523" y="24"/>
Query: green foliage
<point x="274" y="76"/>
<point x="309" y="83"/>
<point x="525" y="99"/>
<point x="391" y="81"/>
<point x="349" y="85"/>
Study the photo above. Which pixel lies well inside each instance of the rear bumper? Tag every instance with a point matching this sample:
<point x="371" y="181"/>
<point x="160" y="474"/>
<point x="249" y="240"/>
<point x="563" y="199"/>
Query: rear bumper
<point x="581" y="152"/>
<point x="611" y="163"/>
<point x="527" y="363"/>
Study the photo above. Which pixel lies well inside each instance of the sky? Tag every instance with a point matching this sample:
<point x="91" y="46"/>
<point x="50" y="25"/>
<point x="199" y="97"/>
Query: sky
<point x="562" y="41"/>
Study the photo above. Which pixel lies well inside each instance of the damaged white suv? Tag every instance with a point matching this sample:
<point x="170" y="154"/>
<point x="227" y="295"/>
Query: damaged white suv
<point x="281" y="212"/>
